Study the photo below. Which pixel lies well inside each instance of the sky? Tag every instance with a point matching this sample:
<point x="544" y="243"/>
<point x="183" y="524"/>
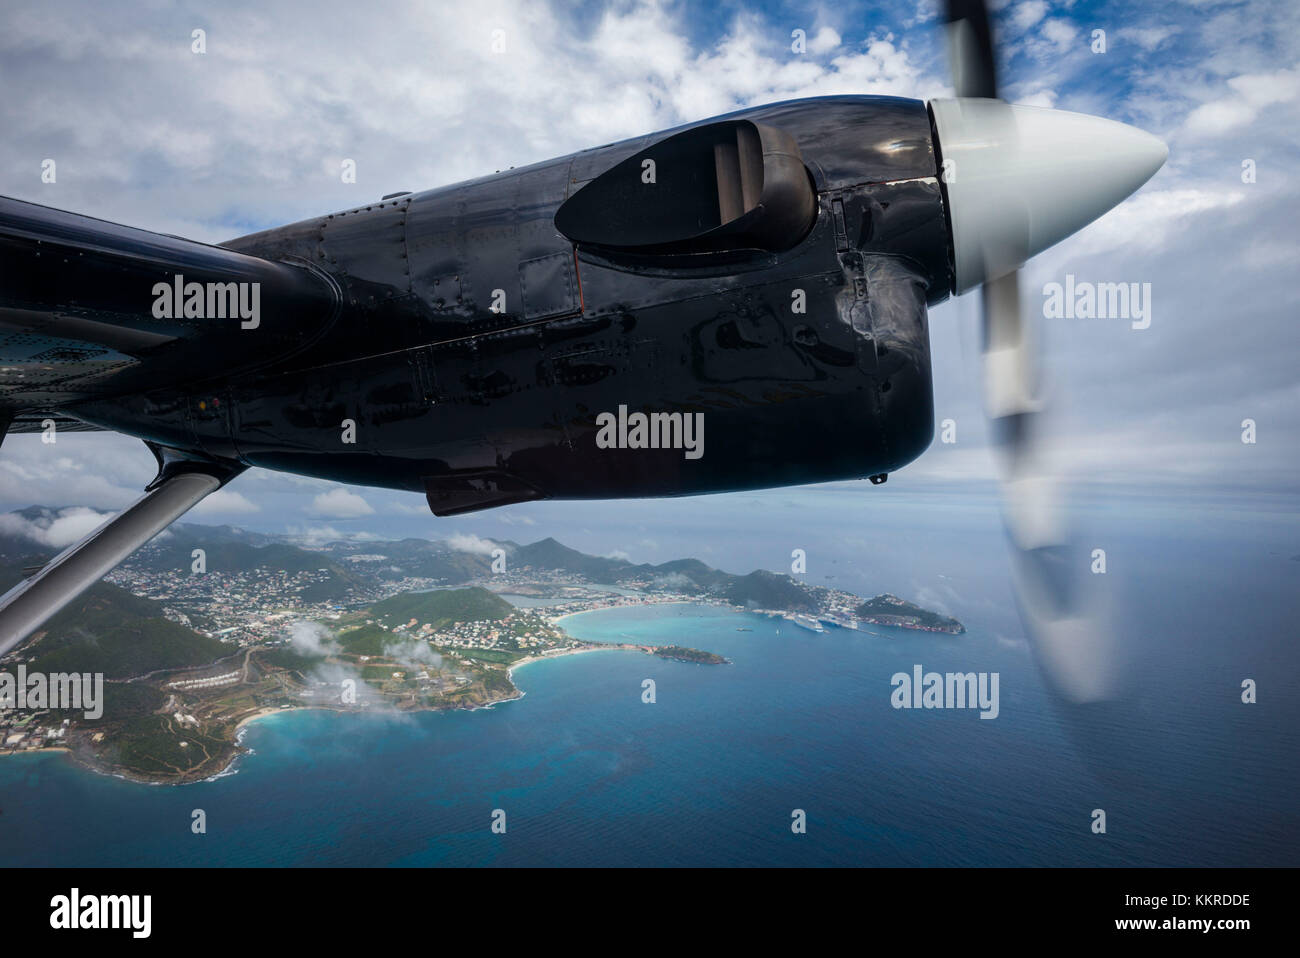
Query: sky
<point x="251" y="134"/>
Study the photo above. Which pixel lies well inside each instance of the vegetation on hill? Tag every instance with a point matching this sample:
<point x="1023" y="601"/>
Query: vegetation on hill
<point x="432" y="560"/>
<point x="769" y="590"/>
<point x="109" y="630"/>
<point x="365" y="640"/>
<point x="442" y="607"/>
<point x="683" y="654"/>
<point x="547" y="554"/>
<point x="891" y="610"/>
<point x="124" y="700"/>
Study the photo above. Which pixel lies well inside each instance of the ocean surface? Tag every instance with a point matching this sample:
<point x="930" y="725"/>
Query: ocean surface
<point x="711" y="772"/>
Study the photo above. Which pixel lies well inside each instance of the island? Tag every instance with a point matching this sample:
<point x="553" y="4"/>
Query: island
<point x="889" y="609"/>
<point x="408" y="625"/>
<point x="682" y="654"/>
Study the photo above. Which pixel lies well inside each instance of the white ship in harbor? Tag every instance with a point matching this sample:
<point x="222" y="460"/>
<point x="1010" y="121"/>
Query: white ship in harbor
<point x="843" y="622"/>
<point x="806" y="622"/>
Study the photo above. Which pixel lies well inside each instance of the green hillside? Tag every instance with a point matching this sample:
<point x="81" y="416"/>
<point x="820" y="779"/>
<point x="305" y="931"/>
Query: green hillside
<point x="365" y="640"/>
<point x="548" y="554"/>
<point x="442" y="607"/>
<point x="226" y="554"/>
<point x="109" y="630"/>
<point x="420" y="557"/>
<point x="891" y="610"/>
<point x="768" y="590"/>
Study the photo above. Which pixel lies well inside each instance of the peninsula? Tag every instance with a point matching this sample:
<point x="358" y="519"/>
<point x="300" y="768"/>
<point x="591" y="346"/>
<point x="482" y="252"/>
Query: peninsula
<point x="407" y="625"/>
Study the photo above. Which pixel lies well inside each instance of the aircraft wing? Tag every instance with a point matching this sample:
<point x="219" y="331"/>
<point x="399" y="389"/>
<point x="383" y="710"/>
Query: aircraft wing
<point x="36" y="422"/>
<point x="91" y="311"/>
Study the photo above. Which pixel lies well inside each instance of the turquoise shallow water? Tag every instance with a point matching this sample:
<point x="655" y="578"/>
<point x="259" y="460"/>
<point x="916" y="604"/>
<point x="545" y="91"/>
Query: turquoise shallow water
<point x="588" y="774"/>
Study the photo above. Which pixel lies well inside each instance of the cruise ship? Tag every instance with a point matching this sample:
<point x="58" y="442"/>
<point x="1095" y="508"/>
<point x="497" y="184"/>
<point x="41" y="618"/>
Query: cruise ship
<point x="806" y="622"/>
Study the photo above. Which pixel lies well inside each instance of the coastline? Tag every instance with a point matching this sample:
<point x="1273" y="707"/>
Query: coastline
<point x="510" y="671"/>
<point x="638" y="605"/>
<point x="529" y="660"/>
<point x="236" y="731"/>
<point x="35" y="751"/>
<point x="262" y="713"/>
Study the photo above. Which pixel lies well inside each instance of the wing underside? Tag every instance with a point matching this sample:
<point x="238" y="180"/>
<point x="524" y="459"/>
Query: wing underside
<point x="92" y="311"/>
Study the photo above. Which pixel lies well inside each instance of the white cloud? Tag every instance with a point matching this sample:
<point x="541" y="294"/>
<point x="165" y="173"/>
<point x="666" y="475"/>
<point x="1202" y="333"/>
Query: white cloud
<point x="1251" y="93"/>
<point x="236" y="135"/>
<point x="312" y="638"/>
<point x="1147" y="220"/>
<point x="225" y="502"/>
<point x="341" y="503"/>
<point x="1042" y="98"/>
<point x="472" y="544"/>
<point x="65" y="528"/>
<point x="1026" y="14"/>
<point x="1060" y="32"/>
<point x="824" y="41"/>
<point x="316" y="536"/>
<point x="514" y="519"/>
<point x="1148" y="38"/>
<point x="92" y="469"/>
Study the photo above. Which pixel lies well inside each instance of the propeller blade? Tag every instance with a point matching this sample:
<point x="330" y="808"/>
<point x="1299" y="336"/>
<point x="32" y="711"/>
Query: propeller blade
<point x="970" y="49"/>
<point x="1010" y="375"/>
<point x="1070" y="631"/>
<point x="1005" y="194"/>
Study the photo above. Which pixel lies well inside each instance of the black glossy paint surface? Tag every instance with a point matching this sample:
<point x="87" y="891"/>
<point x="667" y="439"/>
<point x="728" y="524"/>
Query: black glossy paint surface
<point x="471" y="346"/>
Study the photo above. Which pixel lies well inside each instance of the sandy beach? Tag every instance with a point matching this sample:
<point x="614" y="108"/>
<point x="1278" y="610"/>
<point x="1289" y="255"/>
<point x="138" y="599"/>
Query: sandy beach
<point x="636" y="605"/>
<point x="555" y="655"/>
<point x="260" y="713"/>
<point x="32" y="751"/>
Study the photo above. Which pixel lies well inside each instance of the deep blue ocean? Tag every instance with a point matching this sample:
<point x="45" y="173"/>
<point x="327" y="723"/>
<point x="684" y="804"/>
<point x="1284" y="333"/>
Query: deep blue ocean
<point x="588" y="774"/>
